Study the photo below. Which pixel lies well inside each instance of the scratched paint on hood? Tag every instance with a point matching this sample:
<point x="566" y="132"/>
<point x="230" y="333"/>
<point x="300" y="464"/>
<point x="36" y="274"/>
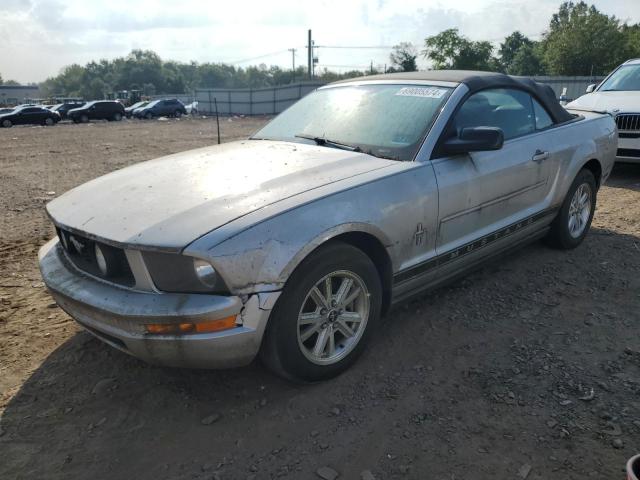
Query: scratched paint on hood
<point x="171" y="201"/>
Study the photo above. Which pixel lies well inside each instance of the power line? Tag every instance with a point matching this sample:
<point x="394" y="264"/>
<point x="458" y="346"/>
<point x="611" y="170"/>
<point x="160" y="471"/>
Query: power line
<point x="342" y="66"/>
<point x="259" y="57"/>
<point x="378" y="47"/>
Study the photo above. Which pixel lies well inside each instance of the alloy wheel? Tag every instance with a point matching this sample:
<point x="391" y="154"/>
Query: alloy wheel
<point x="333" y="317"/>
<point x="580" y="210"/>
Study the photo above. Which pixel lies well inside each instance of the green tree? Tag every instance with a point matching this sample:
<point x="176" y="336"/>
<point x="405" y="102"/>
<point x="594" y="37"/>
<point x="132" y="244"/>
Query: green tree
<point x="96" y="89"/>
<point x="582" y="41"/>
<point x="632" y="40"/>
<point x="518" y="55"/>
<point x="527" y="61"/>
<point x="403" y="57"/>
<point x="450" y="50"/>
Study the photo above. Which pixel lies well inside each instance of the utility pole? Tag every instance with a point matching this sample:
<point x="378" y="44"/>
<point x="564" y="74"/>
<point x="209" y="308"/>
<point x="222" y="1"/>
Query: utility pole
<point x="310" y="56"/>
<point x="293" y="64"/>
<point x="371" y="69"/>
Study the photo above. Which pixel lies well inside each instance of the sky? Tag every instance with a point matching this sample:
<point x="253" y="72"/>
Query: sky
<point x="42" y="36"/>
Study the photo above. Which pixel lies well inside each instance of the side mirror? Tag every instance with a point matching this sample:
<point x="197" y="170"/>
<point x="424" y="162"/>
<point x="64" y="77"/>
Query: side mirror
<point x="591" y="88"/>
<point x="474" y="139"/>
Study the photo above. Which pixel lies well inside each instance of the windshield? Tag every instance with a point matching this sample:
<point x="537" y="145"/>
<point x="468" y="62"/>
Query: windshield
<point x="383" y="120"/>
<point x="138" y="105"/>
<point x="151" y="104"/>
<point x="625" y="78"/>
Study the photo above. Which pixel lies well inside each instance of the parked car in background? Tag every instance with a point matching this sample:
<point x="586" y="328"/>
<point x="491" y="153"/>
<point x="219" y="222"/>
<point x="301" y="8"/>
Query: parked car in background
<point x="192" y="108"/>
<point x="161" y="108"/>
<point x="129" y="110"/>
<point x="63" y="108"/>
<point x="293" y="243"/>
<point x="619" y="94"/>
<point x="97" y="110"/>
<point x="32" y="115"/>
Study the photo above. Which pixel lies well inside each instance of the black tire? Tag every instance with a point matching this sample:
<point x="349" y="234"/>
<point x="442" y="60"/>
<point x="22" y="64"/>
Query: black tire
<point x="75" y="120"/>
<point x="281" y="351"/>
<point x="117" y="117"/>
<point x="560" y="235"/>
<point x="177" y="114"/>
<point x="84" y="118"/>
<point x="148" y="115"/>
<point x="6" y="123"/>
<point x="49" y="122"/>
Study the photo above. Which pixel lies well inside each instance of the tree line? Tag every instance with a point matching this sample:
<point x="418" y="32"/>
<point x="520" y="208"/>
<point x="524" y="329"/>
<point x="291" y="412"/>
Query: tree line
<point x="580" y="40"/>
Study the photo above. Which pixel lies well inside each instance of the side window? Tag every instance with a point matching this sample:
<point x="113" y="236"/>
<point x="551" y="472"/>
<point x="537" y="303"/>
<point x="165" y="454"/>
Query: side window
<point x="543" y="120"/>
<point x="508" y="109"/>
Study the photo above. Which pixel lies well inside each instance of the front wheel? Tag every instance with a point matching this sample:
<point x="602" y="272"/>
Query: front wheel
<point x="325" y="316"/>
<point x="574" y="219"/>
<point x="49" y="121"/>
<point x="148" y="115"/>
<point x="6" y="123"/>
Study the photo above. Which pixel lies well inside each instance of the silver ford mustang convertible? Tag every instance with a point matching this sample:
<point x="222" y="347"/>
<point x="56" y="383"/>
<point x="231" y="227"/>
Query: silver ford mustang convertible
<point x="293" y="243"/>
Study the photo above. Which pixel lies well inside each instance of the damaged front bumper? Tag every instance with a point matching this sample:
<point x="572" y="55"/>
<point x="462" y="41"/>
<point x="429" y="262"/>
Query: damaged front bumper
<point x="118" y="315"/>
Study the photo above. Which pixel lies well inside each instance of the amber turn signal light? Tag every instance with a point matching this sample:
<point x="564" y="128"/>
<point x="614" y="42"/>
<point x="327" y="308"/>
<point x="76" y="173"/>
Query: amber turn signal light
<point x="202" y="327"/>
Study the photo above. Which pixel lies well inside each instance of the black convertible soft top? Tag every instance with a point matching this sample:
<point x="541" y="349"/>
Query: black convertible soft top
<point x="476" y="81"/>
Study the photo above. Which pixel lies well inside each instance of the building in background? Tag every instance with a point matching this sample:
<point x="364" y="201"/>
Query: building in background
<point x="11" y="95"/>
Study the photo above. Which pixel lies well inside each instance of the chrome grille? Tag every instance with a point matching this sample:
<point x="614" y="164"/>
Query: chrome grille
<point x="628" y="122"/>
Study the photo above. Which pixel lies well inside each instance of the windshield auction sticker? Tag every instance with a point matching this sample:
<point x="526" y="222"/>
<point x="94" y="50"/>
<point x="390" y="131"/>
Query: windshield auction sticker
<point x="428" y="92"/>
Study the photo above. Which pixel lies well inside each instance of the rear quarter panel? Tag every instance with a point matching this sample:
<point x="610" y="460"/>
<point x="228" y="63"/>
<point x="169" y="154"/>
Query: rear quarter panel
<point x="593" y="137"/>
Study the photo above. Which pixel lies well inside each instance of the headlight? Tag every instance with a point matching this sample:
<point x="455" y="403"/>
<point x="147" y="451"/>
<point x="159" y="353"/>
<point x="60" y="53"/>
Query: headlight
<point x="173" y="272"/>
<point x="205" y="272"/>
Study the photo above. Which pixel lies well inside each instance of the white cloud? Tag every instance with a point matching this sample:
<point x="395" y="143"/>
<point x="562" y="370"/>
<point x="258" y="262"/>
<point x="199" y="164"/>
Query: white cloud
<point x="42" y="36"/>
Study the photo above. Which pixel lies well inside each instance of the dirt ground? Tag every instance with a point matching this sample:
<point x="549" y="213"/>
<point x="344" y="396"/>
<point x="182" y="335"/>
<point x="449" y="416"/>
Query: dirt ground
<point x="527" y="369"/>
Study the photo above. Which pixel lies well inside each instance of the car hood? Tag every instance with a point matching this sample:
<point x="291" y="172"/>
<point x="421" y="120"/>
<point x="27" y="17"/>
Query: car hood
<point x="169" y="202"/>
<point x="609" y="102"/>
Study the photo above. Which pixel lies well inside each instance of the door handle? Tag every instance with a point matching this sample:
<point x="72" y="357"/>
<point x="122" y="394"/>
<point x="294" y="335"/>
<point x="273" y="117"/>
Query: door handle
<point x="540" y="156"/>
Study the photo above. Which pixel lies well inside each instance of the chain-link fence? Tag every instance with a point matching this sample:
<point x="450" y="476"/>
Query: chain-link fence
<point x="273" y="100"/>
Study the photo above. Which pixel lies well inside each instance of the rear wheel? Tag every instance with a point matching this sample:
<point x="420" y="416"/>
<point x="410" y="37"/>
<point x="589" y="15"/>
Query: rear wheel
<point x="117" y="117"/>
<point x="6" y="123"/>
<point x="574" y="219"/>
<point x="49" y="121"/>
<point x="325" y="316"/>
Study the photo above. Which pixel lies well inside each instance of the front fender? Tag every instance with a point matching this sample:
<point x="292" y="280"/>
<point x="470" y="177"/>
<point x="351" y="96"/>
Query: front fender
<point x="262" y="257"/>
<point x="258" y="260"/>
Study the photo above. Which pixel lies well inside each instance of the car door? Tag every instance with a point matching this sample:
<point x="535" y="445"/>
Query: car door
<point x="491" y="199"/>
<point x="157" y="108"/>
<point x="40" y="115"/>
<point x="28" y="116"/>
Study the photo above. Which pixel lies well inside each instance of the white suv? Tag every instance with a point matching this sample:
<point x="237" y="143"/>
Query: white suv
<point x="619" y="94"/>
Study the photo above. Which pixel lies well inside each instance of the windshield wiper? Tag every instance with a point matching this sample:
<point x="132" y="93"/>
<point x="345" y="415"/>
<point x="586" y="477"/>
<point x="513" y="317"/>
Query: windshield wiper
<point x="329" y="143"/>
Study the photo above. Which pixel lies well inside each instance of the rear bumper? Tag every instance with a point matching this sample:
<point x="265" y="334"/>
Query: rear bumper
<point x="117" y="316"/>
